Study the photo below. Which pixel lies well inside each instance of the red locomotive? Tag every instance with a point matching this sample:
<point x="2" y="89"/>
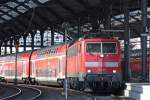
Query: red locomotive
<point x="91" y="62"/>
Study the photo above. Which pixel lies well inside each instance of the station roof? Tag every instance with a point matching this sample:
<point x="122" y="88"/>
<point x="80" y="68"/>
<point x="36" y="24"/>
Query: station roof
<point x="17" y="17"/>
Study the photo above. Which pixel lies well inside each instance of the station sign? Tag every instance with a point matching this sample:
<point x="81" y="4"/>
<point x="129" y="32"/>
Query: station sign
<point x="147" y="31"/>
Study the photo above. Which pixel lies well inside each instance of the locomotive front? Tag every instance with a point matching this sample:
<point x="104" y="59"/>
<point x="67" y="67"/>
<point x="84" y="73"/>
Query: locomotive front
<point x="102" y="60"/>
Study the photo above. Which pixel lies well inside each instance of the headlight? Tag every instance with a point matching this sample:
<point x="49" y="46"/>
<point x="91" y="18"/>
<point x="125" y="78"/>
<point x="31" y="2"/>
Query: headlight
<point x="101" y="55"/>
<point x="89" y="71"/>
<point x="114" y="71"/>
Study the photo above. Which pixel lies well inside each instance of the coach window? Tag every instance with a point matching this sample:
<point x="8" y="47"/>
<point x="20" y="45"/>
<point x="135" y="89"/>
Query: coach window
<point x="1" y="66"/>
<point x="76" y="50"/>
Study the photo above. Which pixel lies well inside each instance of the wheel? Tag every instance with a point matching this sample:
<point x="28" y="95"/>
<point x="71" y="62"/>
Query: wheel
<point x="75" y="84"/>
<point x="118" y="92"/>
<point x="32" y="81"/>
<point x="81" y="86"/>
<point x="72" y="83"/>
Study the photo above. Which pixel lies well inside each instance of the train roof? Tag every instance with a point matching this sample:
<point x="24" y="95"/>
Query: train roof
<point x="98" y="35"/>
<point x="51" y="50"/>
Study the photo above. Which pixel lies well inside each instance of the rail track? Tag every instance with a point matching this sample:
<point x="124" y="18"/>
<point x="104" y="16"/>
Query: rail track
<point x="32" y="92"/>
<point x="57" y="93"/>
<point x="9" y="92"/>
<point x="24" y="92"/>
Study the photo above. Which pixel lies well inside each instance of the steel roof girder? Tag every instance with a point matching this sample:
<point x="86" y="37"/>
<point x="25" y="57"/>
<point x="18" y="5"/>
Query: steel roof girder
<point x="71" y="11"/>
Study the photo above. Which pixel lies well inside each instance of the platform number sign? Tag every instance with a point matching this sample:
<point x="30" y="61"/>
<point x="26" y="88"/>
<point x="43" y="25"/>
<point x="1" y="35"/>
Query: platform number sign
<point x="147" y="31"/>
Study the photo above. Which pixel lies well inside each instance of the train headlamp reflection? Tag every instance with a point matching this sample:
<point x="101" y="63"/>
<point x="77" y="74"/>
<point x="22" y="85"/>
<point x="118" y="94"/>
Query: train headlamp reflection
<point x="114" y="71"/>
<point x="101" y="55"/>
<point x="89" y="71"/>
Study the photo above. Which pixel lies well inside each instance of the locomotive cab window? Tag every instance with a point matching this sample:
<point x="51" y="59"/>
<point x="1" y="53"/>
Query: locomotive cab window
<point x="109" y="48"/>
<point x="93" y="48"/>
<point x="101" y="47"/>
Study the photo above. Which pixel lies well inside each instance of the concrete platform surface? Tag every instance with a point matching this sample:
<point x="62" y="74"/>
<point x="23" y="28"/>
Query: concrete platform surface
<point x="138" y="91"/>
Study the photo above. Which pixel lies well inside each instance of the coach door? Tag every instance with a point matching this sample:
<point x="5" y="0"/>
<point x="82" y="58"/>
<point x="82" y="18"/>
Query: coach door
<point x="24" y="69"/>
<point x="60" y="68"/>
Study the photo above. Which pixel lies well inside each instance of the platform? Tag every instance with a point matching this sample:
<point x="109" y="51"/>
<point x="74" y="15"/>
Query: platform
<point x="138" y="91"/>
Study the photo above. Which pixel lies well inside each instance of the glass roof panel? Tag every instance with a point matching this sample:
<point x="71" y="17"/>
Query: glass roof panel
<point x="31" y="4"/>
<point x="43" y="1"/>
<point x="139" y="17"/>
<point x="12" y="4"/>
<point x="1" y="13"/>
<point x="5" y="9"/>
<point x="6" y="17"/>
<point x="21" y="0"/>
<point x="135" y="13"/>
<point x="115" y="23"/>
<point x="1" y="21"/>
<point x="148" y="9"/>
<point x="13" y="13"/>
<point x="132" y="20"/>
<point x="121" y="16"/>
<point x="21" y="9"/>
<point x="148" y="16"/>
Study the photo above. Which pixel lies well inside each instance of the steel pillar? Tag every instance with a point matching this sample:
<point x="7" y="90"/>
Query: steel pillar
<point x="10" y="46"/>
<point x="127" y="71"/>
<point x="42" y="35"/>
<point x="32" y="38"/>
<point x="16" y="60"/>
<point x="79" y="27"/>
<point x="5" y="47"/>
<point x="52" y="36"/>
<point x="0" y="48"/>
<point x="65" y="27"/>
<point x="108" y="18"/>
<point x="24" y="42"/>
<point x="95" y="24"/>
<point x="64" y="36"/>
<point x="145" y="69"/>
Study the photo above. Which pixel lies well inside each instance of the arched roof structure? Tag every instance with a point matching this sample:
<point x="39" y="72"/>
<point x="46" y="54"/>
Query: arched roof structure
<point x="20" y="16"/>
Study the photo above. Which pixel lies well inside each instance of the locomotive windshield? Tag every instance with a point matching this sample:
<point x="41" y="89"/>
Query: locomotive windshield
<point x="109" y="48"/>
<point x="93" y="48"/>
<point x="104" y="47"/>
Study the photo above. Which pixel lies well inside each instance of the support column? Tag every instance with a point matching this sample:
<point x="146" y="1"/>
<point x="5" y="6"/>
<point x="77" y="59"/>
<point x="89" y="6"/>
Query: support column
<point x="108" y="18"/>
<point x="42" y="35"/>
<point x="64" y="36"/>
<point x="10" y="46"/>
<point x="127" y="71"/>
<point x="95" y="24"/>
<point x="79" y="27"/>
<point x="24" y="42"/>
<point x="32" y="37"/>
<point x="16" y="43"/>
<point x="0" y="48"/>
<point x="52" y="35"/>
<point x="145" y="69"/>
<point x="5" y="47"/>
